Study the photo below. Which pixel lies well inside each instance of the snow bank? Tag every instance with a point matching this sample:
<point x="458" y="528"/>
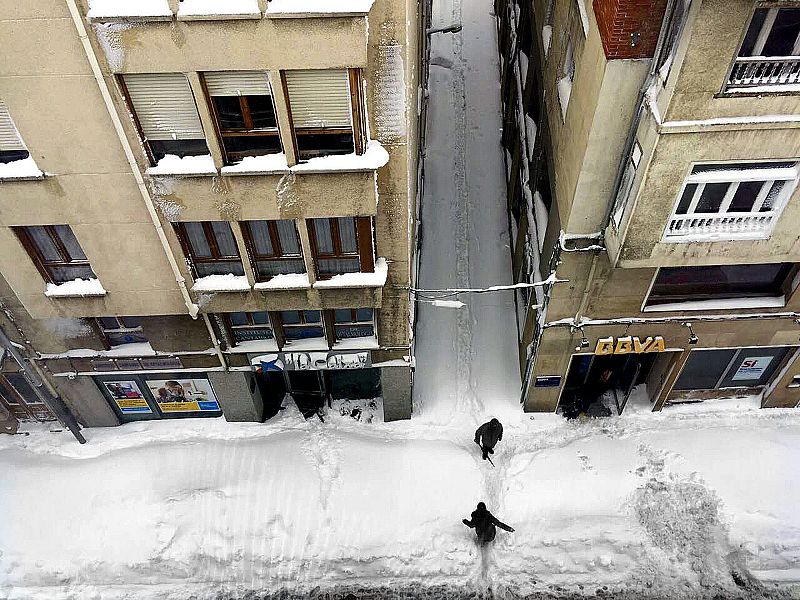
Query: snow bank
<point x="189" y="10"/>
<point x="75" y="288"/>
<point x="290" y="281"/>
<point x="155" y="9"/>
<point x="221" y="283"/>
<point x="186" y="165"/>
<point x="357" y="280"/>
<point x="374" y="158"/>
<point x="318" y="8"/>
<point x="258" y="165"/>
<point x="24" y="169"/>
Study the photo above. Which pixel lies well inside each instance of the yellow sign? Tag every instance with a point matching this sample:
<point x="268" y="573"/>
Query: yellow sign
<point x="630" y="345"/>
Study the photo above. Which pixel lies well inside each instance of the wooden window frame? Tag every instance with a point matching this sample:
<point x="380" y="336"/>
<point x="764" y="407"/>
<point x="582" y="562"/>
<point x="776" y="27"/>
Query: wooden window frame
<point x="39" y="260"/>
<point x="278" y="325"/>
<point x="363" y="229"/>
<point x="354" y="320"/>
<point x="230" y="328"/>
<point x="211" y="240"/>
<point x="274" y="238"/>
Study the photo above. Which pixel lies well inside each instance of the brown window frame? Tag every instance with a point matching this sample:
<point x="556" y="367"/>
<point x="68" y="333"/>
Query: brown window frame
<point x="42" y="264"/>
<point x="274" y="238"/>
<point x="211" y="239"/>
<point x="279" y="328"/>
<point x="364" y="243"/>
<point x="354" y="320"/>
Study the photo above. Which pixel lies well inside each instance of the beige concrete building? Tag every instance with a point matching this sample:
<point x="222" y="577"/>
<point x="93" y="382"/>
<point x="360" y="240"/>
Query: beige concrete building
<point x="653" y="154"/>
<point x="204" y="209"/>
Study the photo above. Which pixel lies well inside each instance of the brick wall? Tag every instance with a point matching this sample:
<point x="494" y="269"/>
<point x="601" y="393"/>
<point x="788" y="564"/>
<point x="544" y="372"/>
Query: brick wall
<point x="629" y="28"/>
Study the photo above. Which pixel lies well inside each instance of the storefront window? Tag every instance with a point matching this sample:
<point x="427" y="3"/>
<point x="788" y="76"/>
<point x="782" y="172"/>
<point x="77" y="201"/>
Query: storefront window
<point x="302" y="324"/>
<point x="730" y="368"/>
<point x="159" y="395"/>
<point x="354" y="323"/>
<point x="249" y="326"/>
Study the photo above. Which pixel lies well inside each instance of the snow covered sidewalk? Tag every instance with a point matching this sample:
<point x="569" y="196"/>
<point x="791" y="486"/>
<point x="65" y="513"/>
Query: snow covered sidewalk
<point x="665" y="504"/>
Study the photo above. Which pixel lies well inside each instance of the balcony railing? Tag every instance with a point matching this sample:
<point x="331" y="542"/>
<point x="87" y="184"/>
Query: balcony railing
<point x="725" y="226"/>
<point x="770" y="71"/>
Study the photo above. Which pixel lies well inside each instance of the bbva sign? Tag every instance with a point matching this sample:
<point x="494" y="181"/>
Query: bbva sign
<point x="630" y="345"/>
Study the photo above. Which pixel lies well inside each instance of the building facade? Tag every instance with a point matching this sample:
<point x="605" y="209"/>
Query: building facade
<point x="652" y="154"/>
<point x="207" y="208"/>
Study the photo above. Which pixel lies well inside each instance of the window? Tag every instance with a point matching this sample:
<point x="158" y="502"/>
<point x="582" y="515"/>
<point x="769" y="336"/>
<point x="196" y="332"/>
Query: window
<point x="677" y="20"/>
<point x="56" y="252"/>
<point x="730" y="368"/>
<point x="11" y="146"/>
<point x="248" y="326"/>
<point x="731" y="201"/>
<point x="547" y="29"/>
<point x="241" y="103"/>
<point x="324" y="105"/>
<point x="121" y="330"/>
<point x="564" y="85"/>
<point x="770" y="52"/>
<point x="273" y="247"/>
<point x="626" y="185"/>
<point x="165" y="114"/>
<point x="210" y="247"/>
<point x="354" y="323"/>
<point x="20" y="399"/>
<point x="342" y="245"/>
<point x="301" y="324"/>
<point x="719" y="282"/>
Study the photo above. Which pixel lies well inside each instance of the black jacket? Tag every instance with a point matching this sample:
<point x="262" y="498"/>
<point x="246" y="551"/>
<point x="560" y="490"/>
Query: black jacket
<point x="488" y="434"/>
<point x="484" y="524"/>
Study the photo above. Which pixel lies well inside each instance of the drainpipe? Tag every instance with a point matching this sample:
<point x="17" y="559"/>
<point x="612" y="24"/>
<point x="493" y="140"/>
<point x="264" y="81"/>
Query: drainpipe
<point x="192" y="308"/>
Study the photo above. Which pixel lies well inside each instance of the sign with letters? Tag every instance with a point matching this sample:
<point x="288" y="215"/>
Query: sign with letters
<point x="630" y="345"/>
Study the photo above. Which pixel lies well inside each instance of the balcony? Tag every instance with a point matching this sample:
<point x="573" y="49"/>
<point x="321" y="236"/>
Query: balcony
<point x="764" y="74"/>
<point x="714" y="226"/>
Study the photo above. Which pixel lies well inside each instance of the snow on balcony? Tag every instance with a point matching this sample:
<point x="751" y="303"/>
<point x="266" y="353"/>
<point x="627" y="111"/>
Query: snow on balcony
<point x="374" y="158"/>
<point x="715" y="226"/>
<point x="291" y="281"/>
<point x="358" y="280"/>
<point x="186" y="165"/>
<point x="199" y="10"/>
<point x="119" y="10"/>
<point x="764" y="74"/>
<point x="221" y="283"/>
<point x="77" y="288"/>
<point x="269" y="164"/>
<point x="317" y="8"/>
<point x="20" y="170"/>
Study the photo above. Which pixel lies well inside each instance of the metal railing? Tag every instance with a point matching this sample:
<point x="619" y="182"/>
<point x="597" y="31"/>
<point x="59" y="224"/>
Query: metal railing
<point x="729" y="226"/>
<point x="755" y="71"/>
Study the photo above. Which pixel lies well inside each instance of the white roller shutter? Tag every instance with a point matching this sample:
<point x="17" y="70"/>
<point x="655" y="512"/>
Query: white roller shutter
<point x="237" y="83"/>
<point x="319" y="98"/>
<point x="9" y="137"/>
<point x="165" y="106"/>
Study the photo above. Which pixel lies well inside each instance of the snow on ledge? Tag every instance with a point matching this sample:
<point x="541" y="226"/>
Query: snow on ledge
<point x="374" y="158"/>
<point x="77" y="288"/>
<point x="196" y="10"/>
<point x="317" y="8"/>
<point x="722" y="304"/>
<point x="187" y="165"/>
<point x="258" y="165"/>
<point x="20" y="170"/>
<point x="291" y="281"/>
<point x="140" y="10"/>
<point x="221" y="283"/>
<point x="358" y="280"/>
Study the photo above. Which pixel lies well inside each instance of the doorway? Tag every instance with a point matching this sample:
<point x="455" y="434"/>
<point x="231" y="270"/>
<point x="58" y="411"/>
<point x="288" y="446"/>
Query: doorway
<point x="308" y="390"/>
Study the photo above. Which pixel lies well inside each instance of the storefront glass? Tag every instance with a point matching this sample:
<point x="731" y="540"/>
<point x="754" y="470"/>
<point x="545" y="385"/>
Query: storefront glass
<point x="730" y="367"/>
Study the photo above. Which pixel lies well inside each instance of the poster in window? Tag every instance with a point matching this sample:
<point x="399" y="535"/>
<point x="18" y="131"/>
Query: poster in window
<point x="752" y="367"/>
<point x="128" y="397"/>
<point x="183" y="395"/>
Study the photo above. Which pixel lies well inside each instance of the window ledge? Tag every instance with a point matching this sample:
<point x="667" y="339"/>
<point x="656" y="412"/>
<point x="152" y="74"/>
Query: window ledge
<point x="221" y="283"/>
<point x="357" y="280"/>
<point x="121" y="10"/>
<point x="77" y="288"/>
<point x="125" y="350"/>
<point x="293" y="281"/>
<point x="271" y="164"/>
<point x="758" y="90"/>
<point x="373" y="159"/>
<point x="721" y="304"/>
<point x="20" y="170"/>
<point x="253" y="346"/>
<point x="285" y="9"/>
<point x="187" y="166"/>
<point x="215" y="10"/>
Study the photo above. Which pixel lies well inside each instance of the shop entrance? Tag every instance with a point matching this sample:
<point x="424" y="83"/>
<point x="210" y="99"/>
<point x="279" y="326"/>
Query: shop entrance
<point x="308" y="390"/>
<point x="603" y="385"/>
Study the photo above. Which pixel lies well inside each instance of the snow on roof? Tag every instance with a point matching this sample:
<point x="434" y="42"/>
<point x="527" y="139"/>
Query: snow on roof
<point x="317" y="8"/>
<point x="20" y="170"/>
<point x="291" y="281"/>
<point x="189" y="10"/>
<point x="357" y="280"/>
<point x="76" y="288"/>
<point x="187" y="165"/>
<point x="221" y="283"/>
<point x="116" y="9"/>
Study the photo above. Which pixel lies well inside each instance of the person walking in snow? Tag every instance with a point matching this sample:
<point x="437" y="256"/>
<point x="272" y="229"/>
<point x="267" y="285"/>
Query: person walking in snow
<point x="484" y="524"/>
<point x="487" y="436"/>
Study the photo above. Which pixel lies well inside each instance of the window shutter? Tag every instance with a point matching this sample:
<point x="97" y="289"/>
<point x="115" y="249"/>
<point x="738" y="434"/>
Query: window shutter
<point x="237" y="83"/>
<point x="9" y="137"/>
<point x="319" y="98"/>
<point x="165" y="106"/>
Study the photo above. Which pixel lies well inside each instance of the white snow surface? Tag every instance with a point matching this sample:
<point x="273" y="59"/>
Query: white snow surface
<point x="218" y="8"/>
<point x="322" y="8"/>
<point x="221" y="283"/>
<point x="258" y="165"/>
<point x="356" y="280"/>
<point x="99" y="9"/>
<point x="184" y="165"/>
<point x="20" y="169"/>
<point x="646" y="503"/>
<point x="76" y="287"/>
<point x="289" y="281"/>
<point x="375" y="157"/>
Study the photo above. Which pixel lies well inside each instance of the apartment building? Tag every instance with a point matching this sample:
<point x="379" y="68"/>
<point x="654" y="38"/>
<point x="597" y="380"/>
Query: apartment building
<point x="652" y="154"/>
<point x="207" y="205"/>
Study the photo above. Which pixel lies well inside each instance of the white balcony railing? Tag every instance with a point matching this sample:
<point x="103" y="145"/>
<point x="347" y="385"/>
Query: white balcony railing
<point x="769" y="71"/>
<point x="717" y="226"/>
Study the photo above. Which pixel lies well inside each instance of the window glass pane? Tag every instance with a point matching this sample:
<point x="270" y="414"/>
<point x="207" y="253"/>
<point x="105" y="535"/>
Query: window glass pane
<point x="754" y="366"/>
<point x="711" y="198"/>
<point x="310" y="145"/>
<point x="197" y="239"/>
<point x="238" y="318"/>
<point x="287" y="234"/>
<point x="43" y="243"/>
<point x="303" y="332"/>
<point x="686" y="199"/>
<point x="354" y="331"/>
<point x="252" y="333"/>
<point x="62" y="274"/>
<point x="290" y="317"/>
<point x="128" y="337"/>
<point x="322" y="233"/>
<point x="219" y="268"/>
<point x="262" y="112"/>
<point x="131" y="322"/>
<point x="260" y="318"/>
<point x="364" y="314"/>
<point x="270" y="268"/>
<point x="703" y="369"/>
<point x="675" y="284"/>
<point x="312" y="316"/>
<point x="771" y="201"/>
<point x="239" y="146"/>
<point x="335" y="266"/>
<point x="23" y="387"/>
<point x="195" y="147"/>
<point x="343" y="315"/>
<point x="714" y="167"/>
<point x="109" y="323"/>
<point x="68" y="239"/>
<point x="225" y="240"/>
<point x="229" y="111"/>
<point x="259" y="232"/>
<point x="784" y="33"/>
<point x="745" y="196"/>
<point x="753" y="31"/>
<point x="347" y="234"/>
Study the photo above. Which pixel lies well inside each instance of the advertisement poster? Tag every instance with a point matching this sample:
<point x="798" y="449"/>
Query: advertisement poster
<point x="128" y="397"/>
<point x="183" y="395"/>
<point x="752" y="367"/>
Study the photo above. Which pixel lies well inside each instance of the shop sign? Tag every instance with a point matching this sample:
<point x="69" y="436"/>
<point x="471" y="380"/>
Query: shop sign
<point x="752" y="367"/>
<point x="183" y="395"/>
<point x="314" y="361"/>
<point x="128" y="397"/>
<point x="547" y="381"/>
<point x="630" y="344"/>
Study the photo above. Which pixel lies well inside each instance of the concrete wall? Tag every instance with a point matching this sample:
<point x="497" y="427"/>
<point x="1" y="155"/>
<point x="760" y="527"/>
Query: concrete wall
<point x="238" y="395"/>
<point x="396" y="386"/>
<point x="85" y="401"/>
